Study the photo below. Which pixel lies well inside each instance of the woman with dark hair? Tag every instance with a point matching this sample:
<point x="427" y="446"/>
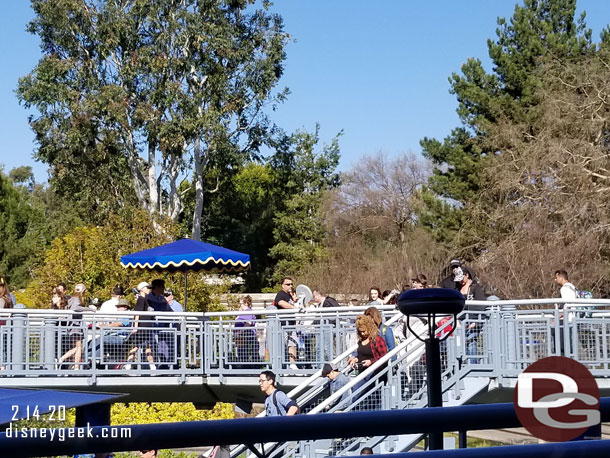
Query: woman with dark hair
<point x="6" y="301"/>
<point x="469" y="286"/>
<point x="419" y="282"/>
<point x="375" y="296"/>
<point x="59" y="301"/>
<point x="75" y="327"/>
<point x="472" y="291"/>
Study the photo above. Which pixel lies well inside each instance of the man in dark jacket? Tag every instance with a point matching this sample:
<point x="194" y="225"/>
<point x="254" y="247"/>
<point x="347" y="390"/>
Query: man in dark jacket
<point x="323" y="300"/>
<point x="455" y="271"/>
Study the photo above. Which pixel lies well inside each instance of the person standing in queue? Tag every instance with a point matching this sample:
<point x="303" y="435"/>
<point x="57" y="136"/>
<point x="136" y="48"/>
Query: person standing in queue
<point x="286" y="299"/>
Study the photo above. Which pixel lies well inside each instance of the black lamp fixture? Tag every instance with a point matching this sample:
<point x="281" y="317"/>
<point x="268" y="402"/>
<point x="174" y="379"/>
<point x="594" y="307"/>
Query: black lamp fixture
<point x="432" y="303"/>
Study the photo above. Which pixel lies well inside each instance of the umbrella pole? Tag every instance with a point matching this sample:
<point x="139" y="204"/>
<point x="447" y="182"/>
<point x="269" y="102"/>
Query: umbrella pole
<point x="185" y="290"/>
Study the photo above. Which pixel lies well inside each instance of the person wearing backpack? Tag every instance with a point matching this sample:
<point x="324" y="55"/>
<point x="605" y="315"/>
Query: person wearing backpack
<point x="277" y="403"/>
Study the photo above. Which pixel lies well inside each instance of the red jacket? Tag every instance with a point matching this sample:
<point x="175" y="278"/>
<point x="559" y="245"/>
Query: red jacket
<point x="378" y="347"/>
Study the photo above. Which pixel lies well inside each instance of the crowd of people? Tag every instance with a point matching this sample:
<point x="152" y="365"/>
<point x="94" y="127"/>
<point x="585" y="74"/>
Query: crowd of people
<point x="375" y="338"/>
<point x="126" y="336"/>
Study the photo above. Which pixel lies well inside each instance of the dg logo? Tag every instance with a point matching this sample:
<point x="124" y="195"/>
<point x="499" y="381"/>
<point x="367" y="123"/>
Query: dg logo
<point x="557" y="399"/>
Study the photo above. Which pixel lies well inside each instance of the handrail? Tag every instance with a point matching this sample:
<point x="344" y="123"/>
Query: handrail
<point x="352" y="424"/>
<point x="315" y="376"/>
<point x="337" y="359"/>
<point x="314" y="310"/>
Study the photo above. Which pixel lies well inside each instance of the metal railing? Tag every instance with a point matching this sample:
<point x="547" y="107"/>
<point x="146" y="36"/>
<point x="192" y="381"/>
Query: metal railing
<point x="496" y="343"/>
<point x="174" y="345"/>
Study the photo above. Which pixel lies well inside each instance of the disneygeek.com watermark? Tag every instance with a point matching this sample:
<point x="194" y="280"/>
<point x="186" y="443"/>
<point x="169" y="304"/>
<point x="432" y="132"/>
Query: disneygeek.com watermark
<point x="61" y="434"/>
<point x="17" y="429"/>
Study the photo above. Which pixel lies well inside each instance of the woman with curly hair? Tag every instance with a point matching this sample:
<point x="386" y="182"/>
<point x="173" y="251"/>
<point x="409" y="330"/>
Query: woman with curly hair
<point x="371" y="346"/>
<point x="385" y="331"/>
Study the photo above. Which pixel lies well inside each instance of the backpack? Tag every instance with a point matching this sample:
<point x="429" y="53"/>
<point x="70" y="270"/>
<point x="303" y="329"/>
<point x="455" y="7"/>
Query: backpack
<point x="281" y="411"/>
<point x="585" y="310"/>
<point x="384" y="329"/>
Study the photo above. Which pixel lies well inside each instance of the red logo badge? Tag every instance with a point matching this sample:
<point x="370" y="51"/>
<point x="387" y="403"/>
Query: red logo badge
<point x="557" y="399"/>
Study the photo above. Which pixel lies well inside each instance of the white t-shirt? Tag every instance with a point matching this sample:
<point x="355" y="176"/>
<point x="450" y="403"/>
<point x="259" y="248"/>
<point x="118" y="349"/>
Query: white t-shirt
<point x="568" y="291"/>
<point x="110" y="305"/>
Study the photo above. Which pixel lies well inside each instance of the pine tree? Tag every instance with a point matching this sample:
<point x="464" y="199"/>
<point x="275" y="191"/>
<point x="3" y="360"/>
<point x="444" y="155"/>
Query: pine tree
<point x="538" y="30"/>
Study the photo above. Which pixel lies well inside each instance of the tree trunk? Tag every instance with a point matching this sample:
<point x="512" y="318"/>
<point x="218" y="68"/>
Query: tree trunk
<point x="153" y="189"/>
<point x="198" y="178"/>
<point x="138" y="180"/>
<point x="175" y="205"/>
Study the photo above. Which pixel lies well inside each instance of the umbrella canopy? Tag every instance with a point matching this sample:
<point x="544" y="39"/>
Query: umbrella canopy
<point x="187" y="255"/>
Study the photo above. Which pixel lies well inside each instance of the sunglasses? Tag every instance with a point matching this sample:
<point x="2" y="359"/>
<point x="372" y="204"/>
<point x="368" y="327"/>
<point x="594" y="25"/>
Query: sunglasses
<point x="288" y="284"/>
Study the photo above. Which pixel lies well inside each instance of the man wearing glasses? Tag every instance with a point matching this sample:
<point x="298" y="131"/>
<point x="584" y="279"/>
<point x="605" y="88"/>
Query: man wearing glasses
<point x="277" y="404"/>
<point x="286" y="299"/>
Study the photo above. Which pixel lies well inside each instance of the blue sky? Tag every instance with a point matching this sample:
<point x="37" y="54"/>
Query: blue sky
<point x="375" y="69"/>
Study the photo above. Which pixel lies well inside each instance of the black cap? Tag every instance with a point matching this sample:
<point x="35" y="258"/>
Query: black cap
<point x="328" y="368"/>
<point x="118" y="291"/>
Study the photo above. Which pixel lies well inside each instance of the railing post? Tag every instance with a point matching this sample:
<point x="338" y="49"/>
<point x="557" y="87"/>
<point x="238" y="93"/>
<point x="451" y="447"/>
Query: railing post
<point x="49" y="336"/>
<point x="275" y="343"/>
<point x="433" y="377"/>
<point x="18" y="341"/>
<point x="509" y="319"/>
<point x="497" y="351"/>
<point x="208" y="346"/>
<point x="182" y="336"/>
<point x="462" y="439"/>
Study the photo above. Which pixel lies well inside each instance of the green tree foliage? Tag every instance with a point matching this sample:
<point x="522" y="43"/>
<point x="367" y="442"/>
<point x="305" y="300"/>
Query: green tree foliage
<point x="91" y="255"/>
<point x="22" y="235"/>
<point x="133" y="96"/>
<point x="302" y="176"/>
<point x="241" y="214"/>
<point x="538" y="30"/>
<point x="273" y="205"/>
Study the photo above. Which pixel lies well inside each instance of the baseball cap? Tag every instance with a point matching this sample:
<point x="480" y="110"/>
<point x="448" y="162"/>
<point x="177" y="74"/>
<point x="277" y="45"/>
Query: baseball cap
<point x="328" y="368"/>
<point x="80" y="288"/>
<point x="142" y="285"/>
<point x="455" y="263"/>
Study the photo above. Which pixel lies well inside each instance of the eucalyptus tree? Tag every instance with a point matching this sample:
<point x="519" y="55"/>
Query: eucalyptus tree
<point x="133" y="98"/>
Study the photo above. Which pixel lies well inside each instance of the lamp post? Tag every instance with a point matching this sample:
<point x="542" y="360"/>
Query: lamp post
<point x="432" y="302"/>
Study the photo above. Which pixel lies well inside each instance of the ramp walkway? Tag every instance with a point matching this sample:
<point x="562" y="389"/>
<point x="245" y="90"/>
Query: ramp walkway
<point x="206" y="358"/>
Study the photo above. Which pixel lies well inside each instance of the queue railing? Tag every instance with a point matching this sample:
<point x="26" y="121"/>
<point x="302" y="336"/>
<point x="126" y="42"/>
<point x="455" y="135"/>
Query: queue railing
<point x="498" y="343"/>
